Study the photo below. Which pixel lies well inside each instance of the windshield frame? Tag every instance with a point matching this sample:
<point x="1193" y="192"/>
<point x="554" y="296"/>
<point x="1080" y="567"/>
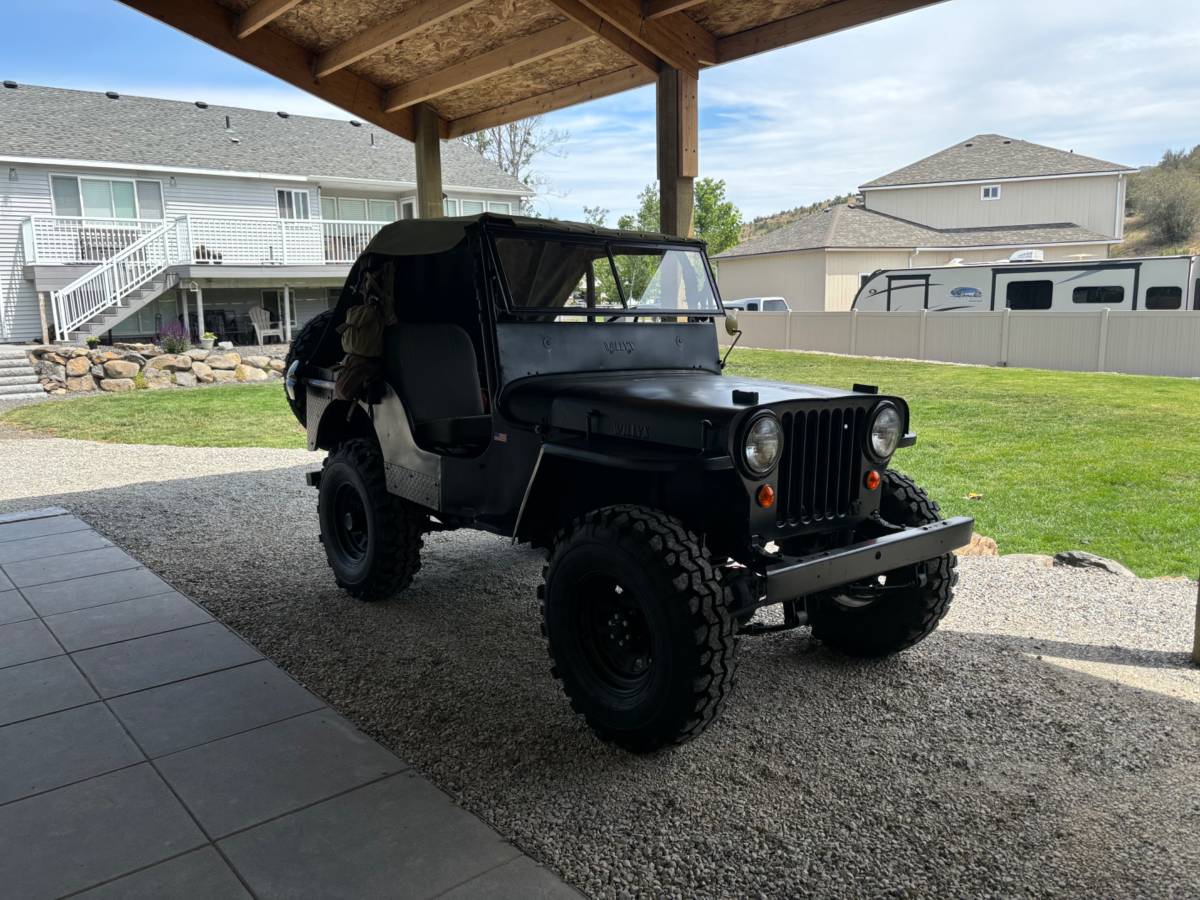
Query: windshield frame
<point x="605" y="314"/>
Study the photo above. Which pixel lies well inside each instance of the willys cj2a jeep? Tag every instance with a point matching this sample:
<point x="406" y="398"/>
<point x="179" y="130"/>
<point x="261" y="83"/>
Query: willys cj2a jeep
<point x="561" y="385"/>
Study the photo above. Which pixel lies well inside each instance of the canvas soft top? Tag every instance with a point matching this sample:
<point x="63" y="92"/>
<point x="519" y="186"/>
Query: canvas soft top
<point x="422" y="237"/>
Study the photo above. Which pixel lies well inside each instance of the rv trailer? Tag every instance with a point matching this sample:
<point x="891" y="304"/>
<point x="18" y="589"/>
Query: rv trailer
<point x="1152" y="282"/>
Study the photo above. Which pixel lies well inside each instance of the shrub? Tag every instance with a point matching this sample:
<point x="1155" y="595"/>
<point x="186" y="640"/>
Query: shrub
<point x="174" y="338"/>
<point x="1169" y="203"/>
<point x="92" y="341"/>
<point x="139" y="382"/>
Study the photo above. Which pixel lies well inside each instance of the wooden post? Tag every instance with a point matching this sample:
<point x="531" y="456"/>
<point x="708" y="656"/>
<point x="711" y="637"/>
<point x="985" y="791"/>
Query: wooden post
<point x="187" y="326"/>
<point x="678" y="149"/>
<point x="429" y="162"/>
<point x="42" y="314"/>
<point x="287" y="314"/>
<point x="199" y="309"/>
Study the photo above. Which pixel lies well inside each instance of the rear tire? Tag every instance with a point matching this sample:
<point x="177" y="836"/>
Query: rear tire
<point x="639" y="627"/>
<point x="851" y="622"/>
<point x="313" y="346"/>
<point x="372" y="539"/>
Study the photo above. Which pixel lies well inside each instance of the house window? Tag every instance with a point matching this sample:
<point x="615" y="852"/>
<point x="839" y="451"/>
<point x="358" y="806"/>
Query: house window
<point x="472" y="207"/>
<point x="1029" y="294"/>
<point x="450" y="206"/>
<point x="1164" y="298"/>
<point x="381" y="210"/>
<point x="292" y="204"/>
<point x="505" y="208"/>
<point x="328" y="207"/>
<point x="352" y="209"/>
<point x="106" y="198"/>
<point x="1098" y="294"/>
<point x="989" y="192"/>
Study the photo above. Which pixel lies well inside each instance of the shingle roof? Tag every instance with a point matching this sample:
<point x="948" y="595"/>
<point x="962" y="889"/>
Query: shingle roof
<point x="853" y="227"/>
<point x="987" y="156"/>
<point x="45" y="122"/>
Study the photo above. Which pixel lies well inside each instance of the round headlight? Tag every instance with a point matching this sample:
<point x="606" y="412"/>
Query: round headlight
<point x="885" y="431"/>
<point x="764" y="440"/>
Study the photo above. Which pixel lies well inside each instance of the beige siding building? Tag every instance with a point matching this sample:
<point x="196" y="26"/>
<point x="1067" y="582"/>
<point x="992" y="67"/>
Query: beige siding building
<point x="980" y="200"/>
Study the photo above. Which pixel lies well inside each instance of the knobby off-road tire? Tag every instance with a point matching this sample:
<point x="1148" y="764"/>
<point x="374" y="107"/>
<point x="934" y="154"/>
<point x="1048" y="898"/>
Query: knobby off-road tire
<point x="312" y="346"/>
<point x="902" y="617"/>
<point x="639" y="627"/>
<point x="372" y="539"/>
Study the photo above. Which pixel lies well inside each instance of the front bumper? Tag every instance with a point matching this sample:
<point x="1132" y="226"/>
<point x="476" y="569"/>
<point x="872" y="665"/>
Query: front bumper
<point x="795" y="577"/>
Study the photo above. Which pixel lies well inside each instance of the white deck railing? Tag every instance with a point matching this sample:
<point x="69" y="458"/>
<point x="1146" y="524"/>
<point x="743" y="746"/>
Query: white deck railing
<point x="212" y="240"/>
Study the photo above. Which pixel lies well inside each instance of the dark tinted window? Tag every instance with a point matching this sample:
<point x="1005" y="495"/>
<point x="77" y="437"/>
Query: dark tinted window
<point x="1029" y="294"/>
<point x="1098" y="294"/>
<point x="1164" y="297"/>
<point x="774" y="306"/>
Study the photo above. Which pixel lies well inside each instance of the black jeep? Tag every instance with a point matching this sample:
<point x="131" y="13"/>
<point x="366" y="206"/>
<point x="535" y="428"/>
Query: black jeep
<point x="561" y="385"/>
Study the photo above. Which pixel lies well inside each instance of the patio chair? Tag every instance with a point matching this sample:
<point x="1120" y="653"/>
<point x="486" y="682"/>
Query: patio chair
<point x="260" y="318"/>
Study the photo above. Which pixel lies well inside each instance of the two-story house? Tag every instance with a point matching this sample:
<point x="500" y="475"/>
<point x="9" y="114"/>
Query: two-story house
<point x="980" y="200"/>
<point x="120" y="215"/>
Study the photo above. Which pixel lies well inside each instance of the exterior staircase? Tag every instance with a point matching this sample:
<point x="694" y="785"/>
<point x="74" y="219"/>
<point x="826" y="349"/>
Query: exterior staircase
<point x="126" y="306"/>
<point x="18" y="381"/>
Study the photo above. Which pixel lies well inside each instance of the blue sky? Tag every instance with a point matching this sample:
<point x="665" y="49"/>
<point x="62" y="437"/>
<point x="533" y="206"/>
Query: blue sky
<point x="1117" y="79"/>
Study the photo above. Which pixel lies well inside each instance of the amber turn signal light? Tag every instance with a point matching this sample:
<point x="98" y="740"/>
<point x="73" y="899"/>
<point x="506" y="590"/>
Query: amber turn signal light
<point x="765" y="496"/>
<point x="872" y="480"/>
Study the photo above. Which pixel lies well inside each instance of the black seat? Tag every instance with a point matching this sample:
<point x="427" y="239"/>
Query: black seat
<point x="433" y="369"/>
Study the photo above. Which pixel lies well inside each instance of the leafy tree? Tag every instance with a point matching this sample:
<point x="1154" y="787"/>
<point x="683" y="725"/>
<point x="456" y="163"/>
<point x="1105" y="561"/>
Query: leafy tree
<point x="717" y="220"/>
<point x="515" y="148"/>
<point x="1168" y="200"/>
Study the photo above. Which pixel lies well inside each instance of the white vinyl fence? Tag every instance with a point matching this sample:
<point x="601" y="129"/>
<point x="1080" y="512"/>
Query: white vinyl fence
<point x="1139" y="343"/>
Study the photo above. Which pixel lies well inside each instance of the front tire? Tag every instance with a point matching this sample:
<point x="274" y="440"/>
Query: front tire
<point x="313" y="345"/>
<point x="639" y="627"/>
<point x="878" y="619"/>
<point x="372" y="538"/>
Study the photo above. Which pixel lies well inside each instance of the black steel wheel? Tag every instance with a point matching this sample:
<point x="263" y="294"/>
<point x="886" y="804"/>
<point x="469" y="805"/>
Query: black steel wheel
<point x="639" y="627"/>
<point x="372" y="539"/>
<point x="315" y="344"/>
<point x="891" y="613"/>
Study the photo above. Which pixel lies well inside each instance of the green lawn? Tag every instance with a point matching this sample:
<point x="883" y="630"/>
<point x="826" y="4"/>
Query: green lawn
<point x="1107" y="463"/>
<point x="227" y="416"/>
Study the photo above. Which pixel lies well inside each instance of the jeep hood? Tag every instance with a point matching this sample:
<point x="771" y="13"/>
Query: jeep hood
<point x="665" y="407"/>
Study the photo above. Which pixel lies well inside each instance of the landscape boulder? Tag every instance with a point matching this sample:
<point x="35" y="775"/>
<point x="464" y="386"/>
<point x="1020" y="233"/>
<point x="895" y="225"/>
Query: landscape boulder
<point x="117" y="385"/>
<point x="170" y="362"/>
<point x="1081" y="559"/>
<point x="223" y="360"/>
<point x="223" y="376"/>
<point x="78" y="365"/>
<point x="249" y="373"/>
<point x="120" y="369"/>
<point x="979" y="546"/>
<point x="198" y="354"/>
<point x="81" y="383"/>
<point x="186" y="379"/>
<point x="277" y="365"/>
<point x="202" y="372"/>
<point x="259" y="362"/>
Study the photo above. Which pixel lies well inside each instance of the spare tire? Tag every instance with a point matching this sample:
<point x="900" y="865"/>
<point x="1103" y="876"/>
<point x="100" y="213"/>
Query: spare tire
<point x="316" y="344"/>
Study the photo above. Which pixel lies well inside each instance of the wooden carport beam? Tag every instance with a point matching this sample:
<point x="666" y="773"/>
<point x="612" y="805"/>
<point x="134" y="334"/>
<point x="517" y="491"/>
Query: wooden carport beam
<point x="428" y="147"/>
<point x="656" y="9"/>
<point x="415" y="18"/>
<point x="577" y="12"/>
<point x="212" y="23"/>
<point x="264" y="12"/>
<point x="531" y="48"/>
<point x="675" y="39"/>
<point x="677" y="112"/>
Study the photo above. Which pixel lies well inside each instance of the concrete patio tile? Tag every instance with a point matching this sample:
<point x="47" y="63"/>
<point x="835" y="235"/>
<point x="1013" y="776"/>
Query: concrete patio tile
<point x="27" y="515"/>
<point x="13" y="608"/>
<point x="199" y="874"/>
<point x="23" y="642"/>
<point x="122" y="621"/>
<point x="54" y="750"/>
<point x="48" y="547"/>
<point x="151" y="661"/>
<point x="72" y="565"/>
<point x="16" y="531"/>
<point x="94" y="590"/>
<point x="80" y="835"/>
<point x="5" y="583"/>
<point x="521" y="879"/>
<point x="41" y="687"/>
<point x="181" y="715"/>
<point x="397" y="837"/>
<point x="248" y="778"/>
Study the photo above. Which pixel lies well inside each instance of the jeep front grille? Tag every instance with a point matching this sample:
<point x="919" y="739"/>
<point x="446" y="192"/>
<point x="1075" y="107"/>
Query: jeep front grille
<point x="821" y="465"/>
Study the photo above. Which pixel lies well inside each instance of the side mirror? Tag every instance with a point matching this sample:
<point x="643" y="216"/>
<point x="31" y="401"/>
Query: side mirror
<point x="731" y="323"/>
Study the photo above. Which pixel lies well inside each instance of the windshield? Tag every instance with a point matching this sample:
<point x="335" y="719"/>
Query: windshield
<point x="597" y="280"/>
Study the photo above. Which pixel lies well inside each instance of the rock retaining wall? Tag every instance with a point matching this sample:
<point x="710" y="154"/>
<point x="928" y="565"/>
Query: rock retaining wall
<point x="128" y="367"/>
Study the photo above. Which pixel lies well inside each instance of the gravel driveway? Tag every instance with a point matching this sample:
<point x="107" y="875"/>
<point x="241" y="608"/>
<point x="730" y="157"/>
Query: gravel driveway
<point x="1045" y="741"/>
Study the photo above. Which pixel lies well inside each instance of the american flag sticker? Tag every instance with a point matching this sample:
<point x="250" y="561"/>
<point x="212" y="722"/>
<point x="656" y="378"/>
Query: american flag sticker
<point x="501" y="437"/>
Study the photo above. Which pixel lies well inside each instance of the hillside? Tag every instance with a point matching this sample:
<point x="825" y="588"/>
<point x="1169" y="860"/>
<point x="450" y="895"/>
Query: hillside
<point x="763" y="224"/>
<point x="1164" y="198"/>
